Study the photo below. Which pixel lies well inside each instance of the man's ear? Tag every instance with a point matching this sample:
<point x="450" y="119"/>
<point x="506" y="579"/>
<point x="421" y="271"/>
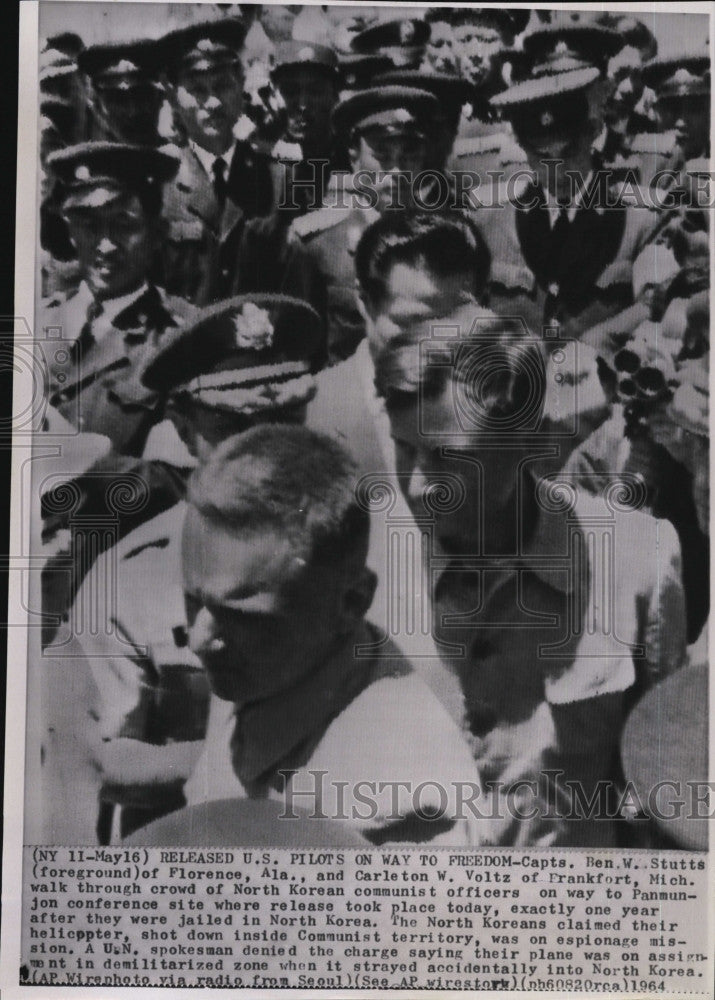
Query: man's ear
<point x="184" y="425"/>
<point x="358" y="596"/>
<point x="362" y="303"/>
<point x="159" y="230"/>
<point x="169" y="89"/>
<point x="354" y="152"/>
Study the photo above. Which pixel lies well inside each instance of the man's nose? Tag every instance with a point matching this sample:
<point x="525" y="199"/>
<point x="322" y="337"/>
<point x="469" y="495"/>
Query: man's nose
<point x="204" y="634"/>
<point x="106" y="245"/>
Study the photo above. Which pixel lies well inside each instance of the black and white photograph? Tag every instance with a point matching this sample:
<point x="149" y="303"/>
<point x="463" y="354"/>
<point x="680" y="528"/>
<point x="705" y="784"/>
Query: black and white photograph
<point x="360" y="573"/>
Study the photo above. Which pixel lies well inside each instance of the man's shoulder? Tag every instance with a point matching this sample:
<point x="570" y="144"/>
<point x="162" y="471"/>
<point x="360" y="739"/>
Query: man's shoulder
<point x="408" y="726"/>
<point x="161" y="534"/>
<point x="59" y="301"/>
<point x="320" y="223"/>
<point x="178" y="308"/>
<point x="643" y="545"/>
<point x="250" y="156"/>
<point x="659" y="143"/>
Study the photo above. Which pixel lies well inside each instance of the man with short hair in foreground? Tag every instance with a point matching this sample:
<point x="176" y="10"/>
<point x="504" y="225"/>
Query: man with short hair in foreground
<point x="276" y="591"/>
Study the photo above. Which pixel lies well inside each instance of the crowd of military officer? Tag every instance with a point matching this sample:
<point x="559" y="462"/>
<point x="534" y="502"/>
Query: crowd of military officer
<point x="233" y="167"/>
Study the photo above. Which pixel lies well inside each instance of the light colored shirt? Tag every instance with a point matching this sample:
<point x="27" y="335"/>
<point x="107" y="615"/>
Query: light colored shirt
<point x="372" y="726"/>
<point x="554" y="209"/>
<point x="207" y="159"/>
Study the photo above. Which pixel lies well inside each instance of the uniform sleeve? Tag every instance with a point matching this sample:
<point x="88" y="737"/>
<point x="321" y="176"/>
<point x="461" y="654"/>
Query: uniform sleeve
<point x="302" y="277"/>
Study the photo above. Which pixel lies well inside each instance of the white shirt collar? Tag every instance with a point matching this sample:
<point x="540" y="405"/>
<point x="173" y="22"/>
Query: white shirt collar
<point x="554" y="208"/>
<point x="207" y="159"/>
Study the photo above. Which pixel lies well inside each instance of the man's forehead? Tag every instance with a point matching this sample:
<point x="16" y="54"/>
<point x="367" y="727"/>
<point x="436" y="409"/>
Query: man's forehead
<point x="484" y="32"/>
<point x="224" y="557"/>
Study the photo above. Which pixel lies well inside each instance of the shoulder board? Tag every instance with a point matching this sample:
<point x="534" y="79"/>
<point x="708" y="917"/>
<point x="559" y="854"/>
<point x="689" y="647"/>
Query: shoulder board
<point x="285" y="150"/>
<point x="511" y="152"/>
<point x="475" y="145"/>
<point x="156" y="543"/>
<point x="179" y="309"/>
<point x="53" y="301"/>
<point x="171" y="149"/>
<point x="58" y="298"/>
<point x="319" y="221"/>
<point x="700" y="165"/>
<point x="157" y="533"/>
<point x="654" y="142"/>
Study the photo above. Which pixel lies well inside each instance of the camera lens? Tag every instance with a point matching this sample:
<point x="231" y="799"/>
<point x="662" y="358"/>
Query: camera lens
<point x="627" y="361"/>
<point x="650" y="382"/>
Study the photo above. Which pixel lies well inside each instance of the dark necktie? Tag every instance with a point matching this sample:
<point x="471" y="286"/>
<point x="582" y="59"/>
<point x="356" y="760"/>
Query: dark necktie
<point x="219" y="183"/>
<point x="557" y="259"/>
<point x="86" y="338"/>
<point x="559" y="233"/>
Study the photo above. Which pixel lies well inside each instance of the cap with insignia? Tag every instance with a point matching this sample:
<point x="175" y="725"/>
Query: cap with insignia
<point x="507" y="22"/>
<point x="357" y="72"/>
<point x="245" y="355"/>
<point x="93" y="174"/>
<point x="68" y="42"/>
<point x="449" y="88"/>
<point x="560" y="58"/>
<point x="402" y="40"/>
<point x="684" y="74"/>
<point x="288" y="55"/>
<point x="572" y="37"/>
<point x="203" y="46"/>
<point x="392" y="108"/>
<point x="54" y="64"/>
<point x="632" y="30"/>
<point x="121" y="66"/>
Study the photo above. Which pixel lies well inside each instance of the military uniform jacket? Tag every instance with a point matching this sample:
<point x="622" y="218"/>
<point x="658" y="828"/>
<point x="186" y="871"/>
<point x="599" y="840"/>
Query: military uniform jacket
<point x="488" y="150"/>
<point x="298" y="187"/>
<point x="98" y="387"/>
<point x="321" y="269"/>
<point x="581" y="279"/>
<point x="199" y="259"/>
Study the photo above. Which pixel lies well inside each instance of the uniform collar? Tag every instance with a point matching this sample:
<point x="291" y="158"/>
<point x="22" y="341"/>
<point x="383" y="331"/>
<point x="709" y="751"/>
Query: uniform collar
<point x="547" y="550"/>
<point x="207" y="159"/>
<point x="554" y="208"/>
<point x="111" y="308"/>
<point x="271" y="730"/>
<point x="527" y="180"/>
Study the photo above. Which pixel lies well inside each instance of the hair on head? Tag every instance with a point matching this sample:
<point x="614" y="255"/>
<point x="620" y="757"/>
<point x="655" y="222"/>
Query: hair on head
<point x="290" y="480"/>
<point x="442" y="244"/>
